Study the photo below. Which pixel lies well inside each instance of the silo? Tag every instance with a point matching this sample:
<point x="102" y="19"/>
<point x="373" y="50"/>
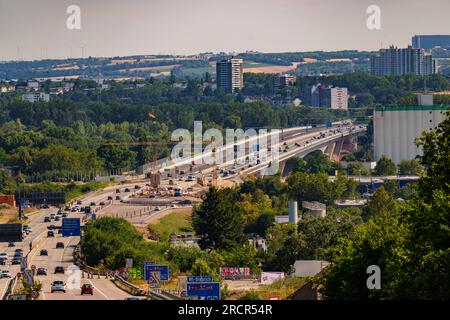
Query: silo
<point x="293" y="212"/>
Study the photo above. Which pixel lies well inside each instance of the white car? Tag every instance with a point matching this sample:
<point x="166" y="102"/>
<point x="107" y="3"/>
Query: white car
<point x="58" y="285"/>
<point x="4" y="256"/>
<point x="5" y="274"/>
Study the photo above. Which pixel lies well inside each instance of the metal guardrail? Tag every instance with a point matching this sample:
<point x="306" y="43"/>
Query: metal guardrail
<point x="10" y="288"/>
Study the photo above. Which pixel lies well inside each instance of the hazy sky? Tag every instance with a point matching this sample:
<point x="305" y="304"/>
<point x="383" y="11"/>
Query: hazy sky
<point x="127" y="27"/>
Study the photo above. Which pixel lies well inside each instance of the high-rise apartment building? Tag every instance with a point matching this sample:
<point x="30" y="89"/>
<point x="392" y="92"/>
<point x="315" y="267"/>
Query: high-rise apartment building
<point x="283" y="80"/>
<point x="401" y="61"/>
<point x="431" y="41"/>
<point x="325" y="97"/>
<point x="230" y="75"/>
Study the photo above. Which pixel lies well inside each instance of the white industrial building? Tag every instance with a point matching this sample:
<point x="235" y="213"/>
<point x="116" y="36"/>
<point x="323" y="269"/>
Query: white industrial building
<point x="397" y="127"/>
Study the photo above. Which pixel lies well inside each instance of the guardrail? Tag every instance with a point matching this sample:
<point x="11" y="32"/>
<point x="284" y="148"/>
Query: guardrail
<point x="10" y="288"/>
<point x="128" y="287"/>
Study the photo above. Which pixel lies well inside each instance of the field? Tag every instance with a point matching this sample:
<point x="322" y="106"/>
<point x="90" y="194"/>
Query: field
<point x="178" y="222"/>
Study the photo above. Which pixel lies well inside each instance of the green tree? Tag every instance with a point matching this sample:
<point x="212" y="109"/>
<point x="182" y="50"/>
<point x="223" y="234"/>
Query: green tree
<point x="409" y="168"/>
<point x="218" y="220"/>
<point x="385" y="167"/>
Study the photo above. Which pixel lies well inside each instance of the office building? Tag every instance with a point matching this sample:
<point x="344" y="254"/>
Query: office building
<point x="230" y="75"/>
<point x="325" y="97"/>
<point x="397" y="127"/>
<point x="431" y="41"/>
<point x="283" y="80"/>
<point x="401" y="61"/>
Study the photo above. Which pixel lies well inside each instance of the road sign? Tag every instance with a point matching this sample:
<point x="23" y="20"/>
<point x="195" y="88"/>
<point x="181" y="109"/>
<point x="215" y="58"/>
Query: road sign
<point x="191" y="279"/>
<point x="164" y="270"/>
<point x="128" y="263"/>
<point x="149" y="264"/>
<point x="154" y="279"/>
<point x="329" y="124"/>
<point x="204" y="291"/>
<point x="71" y="227"/>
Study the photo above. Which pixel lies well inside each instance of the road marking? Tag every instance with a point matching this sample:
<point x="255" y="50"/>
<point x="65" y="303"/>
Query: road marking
<point x="100" y="291"/>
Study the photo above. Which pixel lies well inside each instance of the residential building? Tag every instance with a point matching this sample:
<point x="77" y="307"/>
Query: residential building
<point x="401" y="61"/>
<point x="283" y="80"/>
<point x="230" y="75"/>
<point x="325" y="97"/>
<point x="314" y="208"/>
<point x="397" y="127"/>
<point x="36" y="96"/>
<point x="431" y="41"/>
<point x="32" y="86"/>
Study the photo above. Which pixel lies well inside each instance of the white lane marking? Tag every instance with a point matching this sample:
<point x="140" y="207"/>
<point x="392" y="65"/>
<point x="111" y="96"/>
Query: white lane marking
<point x="4" y="290"/>
<point x="100" y="291"/>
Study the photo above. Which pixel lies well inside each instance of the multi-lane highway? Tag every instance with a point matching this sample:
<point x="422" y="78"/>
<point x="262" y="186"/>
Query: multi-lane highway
<point x="104" y="289"/>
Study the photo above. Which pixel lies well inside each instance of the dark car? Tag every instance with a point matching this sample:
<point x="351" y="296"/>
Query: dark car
<point x="2" y="262"/>
<point x="11" y="244"/>
<point x="52" y="227"/>
<point x="102" y="203"/>
<point x="118" y="198"/>
<point x="19" y="250"/>
<point x="47" y="219"/>
<point x="57" y="218"/>
<point x="110" y="198"/>
<point x="117" y="190"/>
<point x="44" y="206"/>
<point x="59" y="269"/>
<point x="87" y="289"/>
<point x="59" y="245"/>
<point x="92" y="203"/>
<point x="50" y="234"/>
<point x="127" y="190"/>
<point x="59" y="231"/>
<point x="16" y="260"/>
<point x="41" y="272"/>
<point x="137" y="187"/>
<point x="44" y="252"/>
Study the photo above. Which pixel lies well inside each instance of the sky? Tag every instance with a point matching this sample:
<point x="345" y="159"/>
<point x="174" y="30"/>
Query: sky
<point x="35" y="29"/>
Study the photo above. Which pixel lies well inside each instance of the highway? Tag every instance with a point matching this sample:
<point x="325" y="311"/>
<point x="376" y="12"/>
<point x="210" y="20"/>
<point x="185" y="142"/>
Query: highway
<point x="104" y="289"/>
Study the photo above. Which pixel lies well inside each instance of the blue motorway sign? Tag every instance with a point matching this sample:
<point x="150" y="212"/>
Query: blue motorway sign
<point x="329" y="124"/>
<point x="71" y="227"/>
<point x="199" y="279"/>
<point x="94" y="217"/>
<point x="204" y="291"/>
<point x="164" y="270"/>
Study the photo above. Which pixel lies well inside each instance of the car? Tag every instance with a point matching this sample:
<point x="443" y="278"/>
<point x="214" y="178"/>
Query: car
<point x="118" y="198"/>
<point x="19" y="250"/>
<point x="4" y="255"/>
<point x="102" y="203"/>
<point x="59" y="212"/>
<point x="64" y="215"/>
<point x="5" y="274"/>
<point x="110" y="198"/>
<point x="82" y="209"/>
<point x="2" y="262"/>
<point x="137" y="187"/>
<point x="59" y="245"/>
<point x="117" y="190"/>
<point x="74" y="209"/>
<point x="47" y="219"/>
<point x="157" y="208"/>
<point x="11" y="244"/>
<point x="43" y="252"/>
<point x="41" y="272"/>
<point x="52" y="216"/>
<point x="127" y="190"/>
<point x="16" y="260"/>
<point x="79" y="202"/>
<point x="87" y="289"/>
<point x="132" y="299"/>
<point x="18" y="255"/>
<point x="44" y="206"/>
<point x="59" y="231"/>
<point x="57" y="218"/>
<point x="58" y="285"/>
<point x="50" y="234"/>
<point x="59" y="269"/>
<point x="92" y="204"/>
<point x="67" y="208"/>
